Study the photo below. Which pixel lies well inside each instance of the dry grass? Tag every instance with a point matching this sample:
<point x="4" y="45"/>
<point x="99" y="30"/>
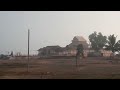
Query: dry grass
<point x="88" y="68"/>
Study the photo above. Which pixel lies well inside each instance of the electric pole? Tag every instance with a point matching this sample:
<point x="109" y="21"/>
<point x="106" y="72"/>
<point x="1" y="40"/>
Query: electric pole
<point x="28" y="50"/>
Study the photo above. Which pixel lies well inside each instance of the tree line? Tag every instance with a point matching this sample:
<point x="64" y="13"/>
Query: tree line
<point x="98" y="42"/>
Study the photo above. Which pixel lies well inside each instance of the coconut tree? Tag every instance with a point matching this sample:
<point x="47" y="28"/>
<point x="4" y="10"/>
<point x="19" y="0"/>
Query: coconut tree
<point x="112" y="44"/>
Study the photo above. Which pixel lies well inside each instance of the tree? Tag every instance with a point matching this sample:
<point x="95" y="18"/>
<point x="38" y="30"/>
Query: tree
<point x="98" y="41"/>
<point x="80" y="51"/>
<point x="112" y="44"/>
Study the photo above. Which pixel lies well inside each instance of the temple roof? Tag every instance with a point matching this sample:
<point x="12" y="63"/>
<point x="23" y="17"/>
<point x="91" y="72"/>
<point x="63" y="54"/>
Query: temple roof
<point x="79" y="38"/>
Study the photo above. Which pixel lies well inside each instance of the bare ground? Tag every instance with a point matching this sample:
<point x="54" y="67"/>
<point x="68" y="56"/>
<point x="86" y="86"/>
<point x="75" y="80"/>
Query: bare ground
<point x="88" y="68"/>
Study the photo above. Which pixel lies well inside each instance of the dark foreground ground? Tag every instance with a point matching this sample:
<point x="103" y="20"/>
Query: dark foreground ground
<point x="88" y="68"/>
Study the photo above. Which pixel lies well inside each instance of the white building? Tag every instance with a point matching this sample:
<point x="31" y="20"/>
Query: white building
<point x="69" y="50"/>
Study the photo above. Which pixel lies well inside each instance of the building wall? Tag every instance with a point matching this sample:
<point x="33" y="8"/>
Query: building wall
<point x="106" y="53"/>
<point x="73" y="52"/>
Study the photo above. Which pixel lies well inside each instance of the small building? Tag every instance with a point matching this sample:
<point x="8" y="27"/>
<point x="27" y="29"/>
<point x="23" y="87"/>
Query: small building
<point x="50" y="51"/>
<point x="106" y="53"/>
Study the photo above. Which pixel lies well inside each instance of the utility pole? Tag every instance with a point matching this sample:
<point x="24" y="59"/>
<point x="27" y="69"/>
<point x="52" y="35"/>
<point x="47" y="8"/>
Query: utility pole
<point x="28" y="50"/>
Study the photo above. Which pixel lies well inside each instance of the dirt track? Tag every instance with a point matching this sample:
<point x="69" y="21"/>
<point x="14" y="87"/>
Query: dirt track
<point x="88" y="68"/>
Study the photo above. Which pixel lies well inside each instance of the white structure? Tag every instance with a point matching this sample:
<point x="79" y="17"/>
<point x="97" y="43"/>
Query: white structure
<point x="78" y="40"/>
<point x="69" y="50"/>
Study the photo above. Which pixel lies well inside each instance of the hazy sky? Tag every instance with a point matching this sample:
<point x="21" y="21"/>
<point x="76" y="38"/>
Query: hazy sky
<point x="52" y="27"/>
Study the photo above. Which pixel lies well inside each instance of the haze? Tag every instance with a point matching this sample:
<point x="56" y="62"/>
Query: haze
<point x="52" y="28"/>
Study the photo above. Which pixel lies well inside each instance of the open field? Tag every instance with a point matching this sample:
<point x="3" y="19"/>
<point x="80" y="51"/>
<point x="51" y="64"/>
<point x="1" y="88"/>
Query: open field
<point x="88" y="68"/>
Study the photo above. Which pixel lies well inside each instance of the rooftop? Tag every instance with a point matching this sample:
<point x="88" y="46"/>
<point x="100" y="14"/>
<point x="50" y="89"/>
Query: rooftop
<point x="79" y="38"/>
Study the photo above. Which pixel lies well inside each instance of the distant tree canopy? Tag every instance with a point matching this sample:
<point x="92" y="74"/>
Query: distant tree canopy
<point x="97" y="41"/>
<point x="112" y="44"/>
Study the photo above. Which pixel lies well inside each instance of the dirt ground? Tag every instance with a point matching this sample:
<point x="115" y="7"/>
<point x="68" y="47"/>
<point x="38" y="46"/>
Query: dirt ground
<point x="88" y="68"/>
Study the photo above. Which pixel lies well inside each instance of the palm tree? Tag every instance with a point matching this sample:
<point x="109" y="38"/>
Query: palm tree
<point x="79" y="52"/>
<point x="112" y="44"/>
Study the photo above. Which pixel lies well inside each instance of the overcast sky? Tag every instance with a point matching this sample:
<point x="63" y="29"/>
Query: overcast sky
<point x="52" y="27"/>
